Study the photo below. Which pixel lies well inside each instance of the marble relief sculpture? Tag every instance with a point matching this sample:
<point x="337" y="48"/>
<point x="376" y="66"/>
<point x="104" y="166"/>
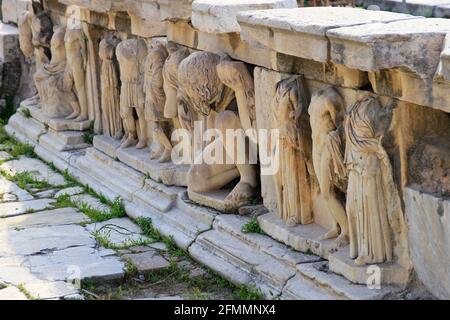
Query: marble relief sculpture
<point x="174" y="108"/>
<point x="155" y="101"/>
<point x="373" y="203"/>
<point x="326" y="117"/>
<point x="110" y="87"/>
<point x="131" y="55"/>
<point x="42" y="31"/>
<point x="35" y="33"/>
<point x="92" y="85"/>
<point x="293" y="182"/>
<point x="209" y="83"/>
<point x="54" y="82"/>
<point x="76" y="69"/>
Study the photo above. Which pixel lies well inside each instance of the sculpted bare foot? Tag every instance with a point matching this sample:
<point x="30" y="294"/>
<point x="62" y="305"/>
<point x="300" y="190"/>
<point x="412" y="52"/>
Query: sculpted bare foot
<point x="73" y="115"/>
<point x="333" y="233"/>
<point x="155" y="155"/>
<point x="166" y="156"/>
<point x="240" y="195"/>
<point x="141" y="145"/>
<point x="291" y="222"/>
<point x="342" y="241"/>
<point x="118" y="136"/>
<point x="81" y="117"/>
<point x="360" y="261"/>
<point x="129" y="142"/>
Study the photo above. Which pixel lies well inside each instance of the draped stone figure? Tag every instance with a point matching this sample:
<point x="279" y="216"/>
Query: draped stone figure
<point x="109" y="79"/>
<point x="42" y="32"/>
<point x="174" y="108"/>
<point x="131" y="55"/>
<point x="26" y="35"/>
<point x="155" y="101"/>
<point x="35" y="33"/>
<point x="54" y="84"/>
<point x="294" y="179"/>
<point x="76" y="68"/>
<point x="326" y="117"/>
<point x="92" y="84"/>
<point x="373" y="203"/>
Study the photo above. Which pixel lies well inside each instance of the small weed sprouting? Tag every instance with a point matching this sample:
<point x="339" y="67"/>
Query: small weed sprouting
<point x="26" y="112"/>
<point x="252" y="227"/>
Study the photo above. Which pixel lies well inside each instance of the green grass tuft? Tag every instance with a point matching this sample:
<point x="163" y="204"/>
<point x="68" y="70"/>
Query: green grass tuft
<point x="252" y="227"/>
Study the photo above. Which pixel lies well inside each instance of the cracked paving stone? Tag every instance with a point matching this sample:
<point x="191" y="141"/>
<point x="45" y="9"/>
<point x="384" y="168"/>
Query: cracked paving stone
<point x="12" y="293"/>
<point x="11" y="209"/>
<point x="69" y="191"/>
<point x="83" y="262"/>
<point x="9" y="197"/>
<point x="147" y="261"/>
<point x="4" y="156"/>
<point x="39" y="169"/>
<point x="46" y="194"/>
<point x="94" y="203"/>
<point x="50" y="289"/>
<point x="158" y="246"/>
<point x="54" y="217"/>
<point x="7" y="186"/>
<point x="37" y="240"/>
<point x="118" y="231"/>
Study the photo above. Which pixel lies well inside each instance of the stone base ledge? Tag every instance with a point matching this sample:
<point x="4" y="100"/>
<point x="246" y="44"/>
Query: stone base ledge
<point x="212" y="238"/>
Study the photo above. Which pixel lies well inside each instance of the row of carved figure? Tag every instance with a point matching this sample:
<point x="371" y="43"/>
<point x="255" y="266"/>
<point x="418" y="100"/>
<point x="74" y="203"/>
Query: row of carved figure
<point x="165" y="86"/>
<point x="331" y="148"/>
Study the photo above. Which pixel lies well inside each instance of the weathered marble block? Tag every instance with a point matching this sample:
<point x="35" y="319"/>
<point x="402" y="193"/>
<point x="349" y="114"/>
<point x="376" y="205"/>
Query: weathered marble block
<point x="426" y="8"/>
<point x="13" y="9"/>
<point x="173" y="10"/>
<point x="429" y="236"/>
<point x="220" y="16"/>
<point x="9" y="43"/>
<point x="303" y="32"/>
<point x="144" y="15"/>
<point x="400" y="44"/>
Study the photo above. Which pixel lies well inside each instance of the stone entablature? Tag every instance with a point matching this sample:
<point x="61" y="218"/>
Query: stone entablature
<point x="348" y="89"/>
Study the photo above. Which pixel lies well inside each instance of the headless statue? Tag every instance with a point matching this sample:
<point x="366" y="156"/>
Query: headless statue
<point x="326" y="117"/>
<point x="76" y="64"/>
<point x="35" y="34"/>
<point x="131" y="55"/>
<point x="373" y="203"/>
<point x="155" y="101"/>
<point x="54" y="83"/>
<point x="294" y="179"/>
<point x="174" y="108"/>
<point x="109" y="79"/>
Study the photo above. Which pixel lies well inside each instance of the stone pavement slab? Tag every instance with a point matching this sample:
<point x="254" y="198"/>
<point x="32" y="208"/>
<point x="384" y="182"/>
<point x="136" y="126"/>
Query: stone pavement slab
<point x="22" y="242"/>
<point x="11" y="293"/>
<point x="147" y="261"/>
<point x="11" y="209"/>
<point x="119" y="231"/>
<point x="63" y="216"/>
<point x="39" y="169"/>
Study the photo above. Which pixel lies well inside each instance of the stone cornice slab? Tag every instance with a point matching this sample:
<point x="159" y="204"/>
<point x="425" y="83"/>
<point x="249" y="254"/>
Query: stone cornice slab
<point x="302" y="32"/>
<point x="219" y="16"/>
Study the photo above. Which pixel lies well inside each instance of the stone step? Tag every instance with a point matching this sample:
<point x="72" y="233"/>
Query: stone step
<point x="267" y="273"/>
<point x="232" y="224"/>
<point x="320" y="276"/>
<point x="182" y="239"/>
<point x="202" y="214"/>
<point x="26" y="130"/>
<point x="110" y="173"/>
<point x="297" y="288"/>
